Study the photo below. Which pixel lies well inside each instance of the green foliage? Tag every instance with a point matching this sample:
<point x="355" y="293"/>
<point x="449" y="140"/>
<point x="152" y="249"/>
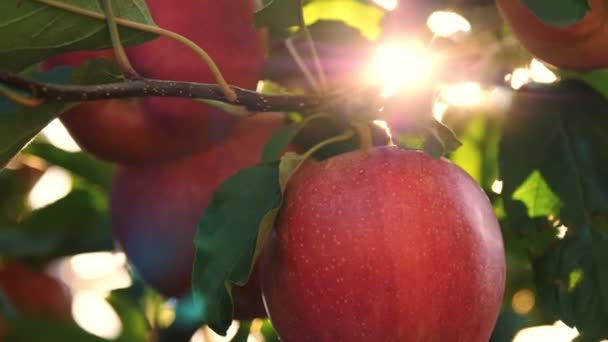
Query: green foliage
<point x="279" y="141"/>
<point x="19" y="124"/>
<point x="26" y="41"/>
<point x="279" y="16"/>
<point x="27" y="329"/>
<point x="553" y="162"/>
<point x="227" y="237"/>
<point x="560" y="13"/>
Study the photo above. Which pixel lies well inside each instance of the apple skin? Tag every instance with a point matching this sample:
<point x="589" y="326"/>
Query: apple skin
<point x="384" y="245"/>
<point x="582" y="46"/>
<point x="150" y="130"/>
<point x="155" y="210"/>
<point x="33" y="292"/>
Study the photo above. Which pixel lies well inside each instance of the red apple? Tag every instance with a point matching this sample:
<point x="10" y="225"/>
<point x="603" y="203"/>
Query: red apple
<point x="384" y="245"/>
<point x="33" y="292"/>
<point x="158" y="129"/>
<point x="581" y="46"/>
<point x="155" y="210"/>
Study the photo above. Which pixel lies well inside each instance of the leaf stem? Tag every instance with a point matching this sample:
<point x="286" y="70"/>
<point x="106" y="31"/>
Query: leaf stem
<point x="24" y="100"/>
<point x="312" y="48"/>
<point x="119" y="51"/>
<point x="293" y="51"/>
<point x="219" y="78"/>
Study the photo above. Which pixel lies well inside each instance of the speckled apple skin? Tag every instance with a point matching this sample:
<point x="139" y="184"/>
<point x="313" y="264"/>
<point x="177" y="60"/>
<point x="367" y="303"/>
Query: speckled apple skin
<point x="155" y="210"/>
<point x="384" y="245"/>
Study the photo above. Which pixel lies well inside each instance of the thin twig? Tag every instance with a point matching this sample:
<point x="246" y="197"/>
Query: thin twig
<point x="144" y="87"/>
<point x="219" y="78"/>
<point x="119" y="51"/>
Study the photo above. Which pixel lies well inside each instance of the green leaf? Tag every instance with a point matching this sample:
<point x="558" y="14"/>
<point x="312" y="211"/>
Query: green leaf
<point x="279" y="15"/>
<point x="28" y="329"/>
<point x="74" y="224"/>
<point x="537" y="196"/>
<point x="32" y="31"/>
<point x="572" y="280"/>
<point x="133" y="319"/>
<point x="279" y="141"/>
<point x="227" y="237"/>
<point x="553" y="151"/>
<point x="558" y="13"/>
<point x="80" y="164"/>
<point x="19" y="124"/>
<point x="365" y="17"/>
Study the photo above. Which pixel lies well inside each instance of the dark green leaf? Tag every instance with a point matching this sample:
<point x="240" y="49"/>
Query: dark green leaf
<point x="279" y="15"/>
<point x="572" y="280"/>
<point x="33" y="31"/>
<point x="558" y="13"/>
<point x="28" y="329"/>
<point x="19" y="124"/>
<point x="227" y="237"/>
<point x="279" y="141"/>
<point x="77" y="223"/>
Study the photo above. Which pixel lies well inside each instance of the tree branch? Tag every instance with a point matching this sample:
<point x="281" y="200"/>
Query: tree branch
<point x="251" y="100"/>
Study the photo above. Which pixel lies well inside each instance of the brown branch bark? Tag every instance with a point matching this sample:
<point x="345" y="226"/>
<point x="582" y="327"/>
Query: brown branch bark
<point x="251" y="100"/>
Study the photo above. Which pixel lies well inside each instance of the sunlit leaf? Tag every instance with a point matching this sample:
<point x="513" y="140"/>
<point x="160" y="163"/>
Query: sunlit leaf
<point x="32" y="31"/>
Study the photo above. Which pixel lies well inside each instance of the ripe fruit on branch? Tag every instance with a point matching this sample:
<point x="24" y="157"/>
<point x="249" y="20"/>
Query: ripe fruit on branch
<point x="582" y="46"/>
<point x="155" y="210"/>
<point x="384" y="245"/>
<point x="157" y="129"/>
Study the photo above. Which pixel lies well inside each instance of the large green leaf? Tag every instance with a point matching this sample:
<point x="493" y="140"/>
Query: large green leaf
<point x="228" y="235"/>
<point x="32" y="31"/>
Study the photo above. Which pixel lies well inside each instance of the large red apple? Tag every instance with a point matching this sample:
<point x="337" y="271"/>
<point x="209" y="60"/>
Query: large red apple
<point x="158" y="129"/>
<point x="582" y="46"/>
<point x="384" y="245"/>
<point x="155" y="210"/>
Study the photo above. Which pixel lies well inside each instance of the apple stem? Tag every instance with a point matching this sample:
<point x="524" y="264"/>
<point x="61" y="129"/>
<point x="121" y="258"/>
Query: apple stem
<point x="365" y="135"/>
<point x="229" y="93"/>
<point x="119" y="51"/>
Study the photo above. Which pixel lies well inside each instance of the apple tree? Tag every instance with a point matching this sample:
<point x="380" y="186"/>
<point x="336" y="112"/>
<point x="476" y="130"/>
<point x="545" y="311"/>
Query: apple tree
<point x="303" y="170"/>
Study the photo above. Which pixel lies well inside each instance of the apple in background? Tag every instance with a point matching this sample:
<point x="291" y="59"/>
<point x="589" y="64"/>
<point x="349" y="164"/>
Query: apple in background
<point x="155" y="210"/>
<point x="32" y="292"/>
<point x="384" y="245"/>
<point x="582" y="46"/>
<point x="145" y="131"/>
